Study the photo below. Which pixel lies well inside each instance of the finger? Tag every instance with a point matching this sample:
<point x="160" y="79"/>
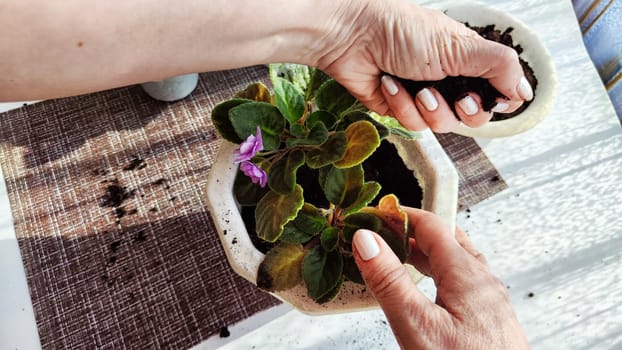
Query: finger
<point x="470" y="112"/>
<point x="387" y="278"/>
<point x="448" y="260"/>
<point x="401" y="104"/>
<point x="466" y="243"/>
<point x="506" y="106"/>
<point x="503" y="68"/>
<point x="435" y="110"/>
<point x="418" y="259"/>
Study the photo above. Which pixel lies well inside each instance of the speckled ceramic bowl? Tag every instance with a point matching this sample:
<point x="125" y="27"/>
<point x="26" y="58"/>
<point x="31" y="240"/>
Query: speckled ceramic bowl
<point x="430" y="164"/>
<point x="535" y="53"/>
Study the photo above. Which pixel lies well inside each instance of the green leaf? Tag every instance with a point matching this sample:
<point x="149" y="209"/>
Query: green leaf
<point x="330" y="151"/>
<point x="369" y="191"/>
<point x="342" y="186"/>
<point x="317" y="79"/>
<point x="321" y="271"/>
<point x="331" y="294"/>
<point x="395" y="127"/>
<point x="297" y="130"/>
<point x="292" y="234"/>
<point x="282" y="175"/>
<point x="351" y="270"/>
<point x="329" y="238"/>
<point x="310" y="219"/>
<point x="297" y="74"/>
<point x="317" y="136"/>
<point x="357" y="221"/>
<point x="256" y="92"/>
<point x="309" y="222"/>
<point x="274" y="211"/>
<point x="333" y="97"/>
<point x="281" y="269"/>
<point x="289" y="99"/>
<point x="363" y="139"/>
<point x="246" y="192"/>
<point x="247" y="116"/>
<point x="220" y="119"/>
<point x="394" y="228"/>
<point x="355" y="116"/>
<point x="325" y="117"/>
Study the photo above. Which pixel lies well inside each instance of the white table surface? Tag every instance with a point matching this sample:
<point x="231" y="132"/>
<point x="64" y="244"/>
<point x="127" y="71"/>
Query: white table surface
<point x="556" y="232"/>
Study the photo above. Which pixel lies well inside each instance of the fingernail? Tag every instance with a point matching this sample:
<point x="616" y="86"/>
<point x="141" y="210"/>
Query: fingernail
<point x="468" y="105"/>
<point x="524" y="89"/>
<point x="366" y="245"/>
<point x="389" y="85"/>
<point x="427" y="99"/>
<point x="500" y="107"/>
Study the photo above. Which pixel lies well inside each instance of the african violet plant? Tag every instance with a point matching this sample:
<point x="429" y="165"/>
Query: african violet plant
<point x="310" y="123"/>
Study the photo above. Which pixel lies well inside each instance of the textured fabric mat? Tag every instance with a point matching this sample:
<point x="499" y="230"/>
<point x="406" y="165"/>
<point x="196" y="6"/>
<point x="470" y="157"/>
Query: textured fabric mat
<point x="151" y="274"/>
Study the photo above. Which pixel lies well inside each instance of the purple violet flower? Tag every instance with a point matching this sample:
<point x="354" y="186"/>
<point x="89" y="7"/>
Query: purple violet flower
<point x="255" y="173"/>
<point x="249" y="148"/>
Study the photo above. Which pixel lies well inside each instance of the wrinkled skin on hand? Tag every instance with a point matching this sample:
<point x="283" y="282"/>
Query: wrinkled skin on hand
<point x="416" y="43"/>
<point x="472" y="308"/>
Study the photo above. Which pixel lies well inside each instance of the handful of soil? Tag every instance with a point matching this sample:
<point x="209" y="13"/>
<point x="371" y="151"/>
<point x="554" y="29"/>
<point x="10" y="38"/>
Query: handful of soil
<point x="455" y="88"/>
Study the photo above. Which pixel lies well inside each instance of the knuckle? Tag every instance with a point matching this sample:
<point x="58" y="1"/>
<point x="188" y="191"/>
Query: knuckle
<point x="383" y="282"/>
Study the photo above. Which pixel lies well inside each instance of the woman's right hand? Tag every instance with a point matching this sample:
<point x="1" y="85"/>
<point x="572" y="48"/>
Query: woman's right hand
<point x="472" y="309"/>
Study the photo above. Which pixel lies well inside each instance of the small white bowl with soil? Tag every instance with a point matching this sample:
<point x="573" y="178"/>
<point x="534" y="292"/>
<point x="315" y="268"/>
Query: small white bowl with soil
<point x="537" y="65"/>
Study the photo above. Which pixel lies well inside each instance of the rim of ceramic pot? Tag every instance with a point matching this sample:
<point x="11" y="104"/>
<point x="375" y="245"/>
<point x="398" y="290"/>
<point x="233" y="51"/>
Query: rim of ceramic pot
<point x="535" y="53"/>
<point x="434" y="170"/>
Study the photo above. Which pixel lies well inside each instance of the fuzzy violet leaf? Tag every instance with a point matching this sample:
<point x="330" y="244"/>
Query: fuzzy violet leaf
<point x="283" y="173"/>
<point x="274" y="211"/>
<point x="297" y="74"/>
<point x="357" y="221"/>
<point x="363" y="139"/>
<point x="330" y="151"/>
<point x="395" y="229"/>
<point x="281" y="269"/>
<point x="327" y="118"/>
<point x="322" y="272"/>
<point x="394" y="126"/>
<point x="317" y="136"/>
<point x="256" y="92"/>
<point x="220" y="119"/>
<point x="368" y="192"/>
<point x="342" y="186"/>
<point x="333" y="97"/>
<point x="246" y="117"/>
<point x="309" y="222"/>
<point x="289" y="99"/>
<point x="330" y="238"/>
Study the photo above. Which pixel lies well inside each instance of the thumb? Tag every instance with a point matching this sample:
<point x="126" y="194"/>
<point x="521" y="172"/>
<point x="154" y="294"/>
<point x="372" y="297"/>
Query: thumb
<point x="388" y="280"/>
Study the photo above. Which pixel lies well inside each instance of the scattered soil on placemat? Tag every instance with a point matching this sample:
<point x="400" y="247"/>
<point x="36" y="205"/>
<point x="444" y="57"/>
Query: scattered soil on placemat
<point x="455" y="88"/>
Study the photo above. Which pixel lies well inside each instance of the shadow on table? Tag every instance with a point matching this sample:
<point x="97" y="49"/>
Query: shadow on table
<point x="161" y="284"/>
<point x="51" y="129"/>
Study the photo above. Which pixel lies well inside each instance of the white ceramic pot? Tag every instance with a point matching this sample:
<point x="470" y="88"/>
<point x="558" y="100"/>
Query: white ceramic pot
<point x="171" y="89"/>
<point x="535" y="53"/>
<point x="432" y="167"/>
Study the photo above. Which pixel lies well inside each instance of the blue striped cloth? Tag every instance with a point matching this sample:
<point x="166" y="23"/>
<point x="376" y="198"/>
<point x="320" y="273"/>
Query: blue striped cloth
<point x="601" y="25"/>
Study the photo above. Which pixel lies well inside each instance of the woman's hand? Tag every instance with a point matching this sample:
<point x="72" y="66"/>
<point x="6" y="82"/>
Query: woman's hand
<point x="405" y="40"/>
<point x="472" y="309"/>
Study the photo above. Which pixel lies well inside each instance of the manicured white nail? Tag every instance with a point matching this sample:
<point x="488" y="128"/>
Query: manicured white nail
<point x="427" y="99"/>
<point x="389" y="84"/>
<point x="468" y="105"/>
<point x="524" y="89"/>
<point x="366" y="245"/>
<point x="500" y="107"/>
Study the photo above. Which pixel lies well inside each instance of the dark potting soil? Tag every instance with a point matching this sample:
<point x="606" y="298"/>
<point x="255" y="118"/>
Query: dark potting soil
<point x="384" y="166"/>
<point x="455" y="88"/>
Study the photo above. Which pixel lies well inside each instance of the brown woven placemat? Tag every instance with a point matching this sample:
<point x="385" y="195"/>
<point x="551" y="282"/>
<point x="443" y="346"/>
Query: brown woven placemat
<point x="152" y="275"/>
